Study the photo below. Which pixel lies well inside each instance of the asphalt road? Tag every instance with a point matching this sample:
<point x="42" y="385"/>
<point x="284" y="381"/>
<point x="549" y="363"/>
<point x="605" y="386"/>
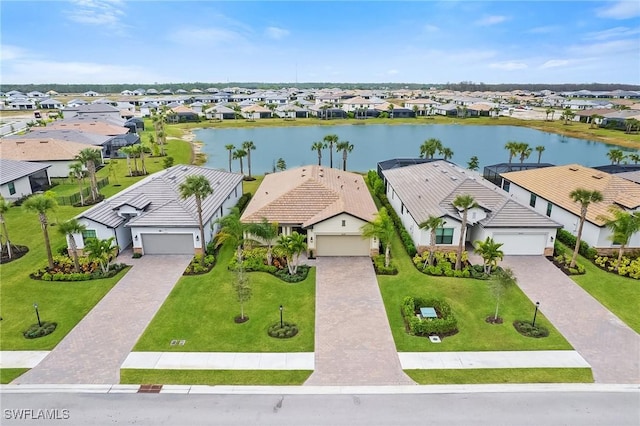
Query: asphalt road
<point x="477" y="409"/>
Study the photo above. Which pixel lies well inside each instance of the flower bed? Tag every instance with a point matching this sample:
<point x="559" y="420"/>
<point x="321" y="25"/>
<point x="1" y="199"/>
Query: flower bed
<point x="196" y="268"/>
<point x="378" y="265"/>
<point x="443" y="264"/>
<point x="287" y="331"/>
<point x="445" y="324"/>
<point x="64" y="270"/>
<point x="562" y="260"/>
<point x="627" y="268"/>
<point x="255" y="260"/>
<point x="526" y="329"/>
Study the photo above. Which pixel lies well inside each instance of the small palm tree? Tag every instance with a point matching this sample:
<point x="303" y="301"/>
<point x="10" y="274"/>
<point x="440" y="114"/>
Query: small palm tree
<point x="230" y="148"/>
<point x="42" y="204"/>
<point x="199" y="187"/>
<point x="318" y="147"/>
<point x="463" y="202"/>
<point x="540" y="149"/>
<point x="102" y="251"/>
<point x="346" y="148"/>
<point x="525" y="151"/>
<point x="474" y="163"/>
<point x="248" y="146"/>
<point x="429" y="148"/>
<point x="635" y="158"/>
<point x="77" y="173"/>
<point x="500" y="284"/>
<point x="233" y="231"/>
<point x="267" y="232"/>
<point x="331" y="141"/>
<point x="622" y="225"/>
<point x="432" y="223"/>
<point x="128" y="151"/>
<point x="548" y="111"/>
<point x="68" y="228"/>
<point x="292" y="245"/>
<point x="584" y="197"/>
<point x="615" y="155"/>
<point x="90" y="158"/>
<point x="490" y="252"/>
<point x="447" y="153"/>
<point x="382" y="228"/>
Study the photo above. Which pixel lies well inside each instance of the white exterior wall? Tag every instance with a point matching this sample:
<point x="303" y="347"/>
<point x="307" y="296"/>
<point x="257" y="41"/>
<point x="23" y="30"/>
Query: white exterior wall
<point x="59" y="168"/>
<point x="333" y="226"/>
<point x="102" y="232"/>
<point x="480" y="233"/>
<point x="137" y="230"/>
<point x="22" y="187"/>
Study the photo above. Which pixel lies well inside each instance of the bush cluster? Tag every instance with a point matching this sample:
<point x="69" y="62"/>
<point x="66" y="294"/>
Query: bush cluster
<point x="243" y="201"/>
<point x="445" y="325"/>
<point x="378" y="265"/>
<point x="526" y="329"/>
<point x="627" y="268"/>
<point x="255" y="260"/>
<point x="45" y="275"/>
<point x="443" y="264"/>
<point x="300" y="275"/>
<point x="196" y="268"/>
<point x="562" y="260"/>
<point x="568" y="239"/>
<point x="287" y="330"/>
<point x="36" y="330"/>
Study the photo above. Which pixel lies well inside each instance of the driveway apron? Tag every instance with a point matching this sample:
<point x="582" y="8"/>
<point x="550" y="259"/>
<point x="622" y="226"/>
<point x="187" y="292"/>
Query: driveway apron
<point x="353" y="342"/>
<point x="94" y="350"/>
<point x="603" y="340"/>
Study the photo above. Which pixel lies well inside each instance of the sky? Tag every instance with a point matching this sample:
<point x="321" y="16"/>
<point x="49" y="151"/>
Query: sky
<point x="116" y="41"/>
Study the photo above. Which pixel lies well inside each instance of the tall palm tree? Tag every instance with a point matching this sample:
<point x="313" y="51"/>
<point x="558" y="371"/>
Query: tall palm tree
<point x="4" y="208"/>
<point x="513" y="148"/>
<point x="330" y="141"/>
<point x="635" y="158"/>
<point x="90" y="158"/>
<point x="346" y="148"/>
<point x="463" y="202"/>
<point x="432" y="223"/>
<point x="68" y="228"/>
<point x="233" y="231"/>
<point x="615" y="155"/>
<point x="593" y="120"/>
<point x="429" y="148"/>
<point x="239" y="154"/>
<point x="249" y="146"/>
<point x="230" y="147"/>
<point x="382" y="228"/>
<point x="292" y="245"/>
<point x="318" y="147"/>
<point x="42" y="204"/>
<point x="540" y="149"/>
<point x="584" y="197"/>
<point x="447" y="153"/>
<point x="390" y="109"/>
<point x="267" y="232"/>
<point x="548" y="111"/>
<point x="199" y="187"/>
<point x="623" y="225"/>
<point x="128" y="151"/>
<point x="490" y="252"/>
<point x="138" y="149"/>
<point x="77" y="173"/>
<point x="525" y="151"/>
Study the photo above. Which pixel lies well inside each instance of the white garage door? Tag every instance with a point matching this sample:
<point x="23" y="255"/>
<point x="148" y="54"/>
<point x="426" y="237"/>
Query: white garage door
<point x="167" y="243"/>
<point x="341" y="245"/>
<point x="521" y="243"/>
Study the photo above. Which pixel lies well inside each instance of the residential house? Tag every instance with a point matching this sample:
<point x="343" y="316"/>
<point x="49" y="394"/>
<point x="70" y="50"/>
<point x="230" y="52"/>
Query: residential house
<point x="256" y="112"/>
<point x="548" y="191"/>
<point x="328" y="205"/>
<point x="22" y="178"/>
<point x="220" y="112"/>
<point x="419" y="191"/>
<point x="152" y="216"/>
<point x="181" y="114"/>
<point x="51" y="104"/>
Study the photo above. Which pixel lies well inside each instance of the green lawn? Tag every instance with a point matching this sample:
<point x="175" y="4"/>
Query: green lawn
<point x="620" y="295"/>
<point x="499" y="375"/>
<point x="215" y="377"/>
<point x="7" y="375"/>
<point x="471" y="302"/>
<point x="201" y="309"/>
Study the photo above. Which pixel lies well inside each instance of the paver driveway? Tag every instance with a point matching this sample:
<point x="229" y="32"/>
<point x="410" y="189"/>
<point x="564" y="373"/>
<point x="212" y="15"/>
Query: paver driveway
<point x="603" y="340"/>
<point x="353" y="343"/>
<point x="94" y="350"/>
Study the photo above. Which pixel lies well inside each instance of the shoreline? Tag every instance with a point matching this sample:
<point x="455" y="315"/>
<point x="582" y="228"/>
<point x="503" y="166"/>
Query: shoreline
<point x="198" y="158"/>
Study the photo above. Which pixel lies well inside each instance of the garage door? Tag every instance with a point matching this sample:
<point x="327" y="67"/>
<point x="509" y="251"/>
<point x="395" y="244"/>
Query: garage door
<point x="167" y="243"/>
<point x="522" y="244"/>
<point x="341" y="245"/>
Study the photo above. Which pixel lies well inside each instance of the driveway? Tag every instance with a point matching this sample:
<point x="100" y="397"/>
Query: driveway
<point x="603" y="340"/>
<point x="94" y="350"/>
<point x="353" y="343"/>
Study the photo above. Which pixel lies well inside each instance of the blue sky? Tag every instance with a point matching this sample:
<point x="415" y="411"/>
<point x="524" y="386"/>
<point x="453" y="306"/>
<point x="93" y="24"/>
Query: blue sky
<point x="91" y="41"/>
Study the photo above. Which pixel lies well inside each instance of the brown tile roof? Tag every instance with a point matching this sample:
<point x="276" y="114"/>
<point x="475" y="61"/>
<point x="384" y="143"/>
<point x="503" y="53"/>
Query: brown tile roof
<point x="91" y="127"/>
<point x="308" y="195"/>
<point x="556" y="183"/>
<point x="45" y="149"/>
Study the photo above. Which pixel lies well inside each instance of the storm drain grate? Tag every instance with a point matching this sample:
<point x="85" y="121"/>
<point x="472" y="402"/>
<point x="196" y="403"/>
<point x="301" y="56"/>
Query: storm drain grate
<point x="150" y="389"/>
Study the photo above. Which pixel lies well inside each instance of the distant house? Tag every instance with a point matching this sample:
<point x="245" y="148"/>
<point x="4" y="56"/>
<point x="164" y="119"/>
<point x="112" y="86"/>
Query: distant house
<point x="51" y="104"/>
<point x="220" y="112"/>
<point x="256" y="112"/>
<point x="91" y="93"/>
<point x="181" y="114"/>
<point x="22" y="178"/>
<point x="152" y="216"/>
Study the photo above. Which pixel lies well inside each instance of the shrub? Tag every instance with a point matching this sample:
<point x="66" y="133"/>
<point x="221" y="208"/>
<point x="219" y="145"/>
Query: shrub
<point x="378" y="264"/>
<point x="196" y="268"/>
<point x="137" y="255"/>
<point x="36" y="330"/>
<point x="287" y="330"/>
<point x="407" y="241"/>
<point x="526" y="329"/>
<point x="569" y="240"/>
<point x="243" y="201"/>
<point x="445" y="325"/>
<point x="301" y="274"/>
<point x="627" y="268"/>
<point x="443" y="264"/>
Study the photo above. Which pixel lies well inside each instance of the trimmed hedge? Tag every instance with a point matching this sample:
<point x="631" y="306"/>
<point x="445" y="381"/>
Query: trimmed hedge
<point x="36" y="330"/>
<point x="526" y="329"/>
<point x="569" y="240"/>
<point x="243" y="201"/>
<point x="287" y="330"/>
<point x="446" y="325"/>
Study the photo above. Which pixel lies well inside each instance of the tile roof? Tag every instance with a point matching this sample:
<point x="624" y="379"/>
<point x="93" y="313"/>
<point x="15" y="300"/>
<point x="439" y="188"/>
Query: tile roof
<point x="429" y="189"/>
<point x="45" y="149"/>
<point x="556" y="183"/>
<point x="159" y="195"/>
<point x="310" y="194"/>
<point x="11" y="170"/>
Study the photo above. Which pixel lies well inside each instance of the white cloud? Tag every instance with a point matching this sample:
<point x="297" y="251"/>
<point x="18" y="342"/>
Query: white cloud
<point x="276" y="33"/>
<point x="616" y="32"/>
<point x="491" y="20"/>
<point x="92" y="12"/>
<point x="624" y="9"/>
<point x="431" y="28"/>
<point x="8" y="52"/>
<point x="555" y="63"/>
<point x="509" y="65"/>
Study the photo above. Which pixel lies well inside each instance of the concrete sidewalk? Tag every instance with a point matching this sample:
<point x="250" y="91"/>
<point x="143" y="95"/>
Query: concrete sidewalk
<point x="220" y="361"/>
<point x="511" y="359"/>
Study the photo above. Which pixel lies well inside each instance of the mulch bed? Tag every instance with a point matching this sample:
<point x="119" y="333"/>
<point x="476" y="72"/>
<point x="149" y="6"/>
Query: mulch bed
<point x="240" y="320"/>
<point x="16" y="253"/>
<point x="492" y="320"/>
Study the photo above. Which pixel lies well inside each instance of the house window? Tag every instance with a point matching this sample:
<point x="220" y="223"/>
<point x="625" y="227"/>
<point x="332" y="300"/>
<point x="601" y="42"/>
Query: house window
<point x="532" y="200"/>
<point x="344" y="223"/>
<point x="235" y="191"/>
<point x="402" y="208"/>
<point x="506" y="185"/>
<point x="549" y="207"/>
<point x="12" y="188"/>
<point x="444" y="236"/>
<point x="88" y="233"/>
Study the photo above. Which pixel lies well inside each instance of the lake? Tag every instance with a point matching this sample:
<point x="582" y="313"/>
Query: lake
<point x="378" y="142"/>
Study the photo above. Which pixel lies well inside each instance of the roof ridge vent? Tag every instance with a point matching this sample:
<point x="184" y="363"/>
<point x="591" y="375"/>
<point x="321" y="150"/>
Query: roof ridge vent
<point x="573" y="168"/>
<point x="598" y="176"/>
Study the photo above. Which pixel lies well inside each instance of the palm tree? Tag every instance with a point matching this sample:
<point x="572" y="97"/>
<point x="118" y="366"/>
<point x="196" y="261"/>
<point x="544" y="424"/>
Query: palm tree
<point x="292" y="245"/>
<point x="346" y="148"/>
<point x="490" y="252"/>
<point x="267" y="232"/>
<point x="585" y="197"/>
<point x="473" y="163"/>
<point x="42" y="204"/>
<point x="382" y="228"/>
<point x="247" y="147"/>
<point x="432" y="223"/>
<point x="548" y="111"/>
<point x="128" y="151"/>
<point x="390" y="109"/>
<point x="525" y="151"/>
<point x="319" y="146"/>
<point x="415" y="110"/>
<point x="90" y="157"/>
<point x="567" y="115"/>
<point x="330" y="141"/>
<point x="102" y="251"/>
<point x="138" y="151"/>
<point x="513" y="148"/>
<point x="615" y="155"/>
<point x="635" y="158"/>
<point x="324" y="109"/>
<point x="429" y="148"/>
<point x="68" y="228"/>
<point x="239" y="154"/>
<point x="4" y="208"/>
<point x="593" y="120"/>
<point x="233" y="231"/>
<point x="463" y="202"/>
<point x="499" y="285"/>
<point x="230" y="148"/>
<point x="281" y="164"/>
<point x="447" y="153"/>
<point x="77" y="173"/>
<point x="540" y="149"/>
<point x="199" y="187"/>
<point x="623" y="225"/>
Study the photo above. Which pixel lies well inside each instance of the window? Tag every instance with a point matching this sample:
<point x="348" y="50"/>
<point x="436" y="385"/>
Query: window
<point x="344" y="223"/>
<point x="89" y="233"/>
<point x="444" y="235"/>
<point x="532" y="200"/>
<point x="402" y="208"/>
<point x="12" y="188"/>
<point x="506" y="185"/>
<point x="549" y="207"/>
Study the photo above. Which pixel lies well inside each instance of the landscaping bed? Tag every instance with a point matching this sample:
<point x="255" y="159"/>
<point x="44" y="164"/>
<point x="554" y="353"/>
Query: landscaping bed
<point x="64" y="270"/>
<point x="16" y="253"/>
<point x="445" y="323"/>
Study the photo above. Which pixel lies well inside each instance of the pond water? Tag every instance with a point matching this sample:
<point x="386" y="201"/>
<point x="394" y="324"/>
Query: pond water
<point x="374" y="143"/>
